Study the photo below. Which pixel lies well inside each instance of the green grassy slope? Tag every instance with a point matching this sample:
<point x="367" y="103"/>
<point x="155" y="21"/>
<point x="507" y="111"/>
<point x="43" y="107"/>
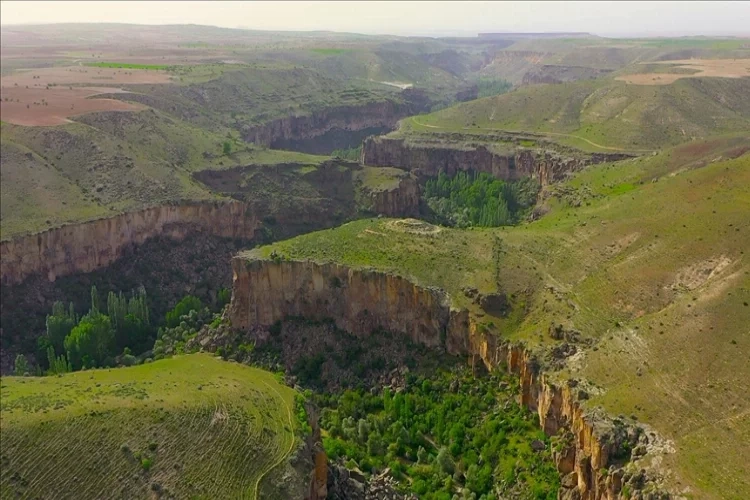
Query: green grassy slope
<point x="647" y="258"/>
<point x="210" y="429"/>
<point x="106" y="163"/>
<point x="604" y="114"/>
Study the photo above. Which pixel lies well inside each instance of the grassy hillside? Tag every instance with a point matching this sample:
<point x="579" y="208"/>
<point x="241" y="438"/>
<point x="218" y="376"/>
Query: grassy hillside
<point x="604" y="114"/>
<point x="106" y="163"/>
<point x="645" y="257"/>
<point x="187" y="427"/>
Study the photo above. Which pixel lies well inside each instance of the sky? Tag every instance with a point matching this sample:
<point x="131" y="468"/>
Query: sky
<point x="466" y="18"/>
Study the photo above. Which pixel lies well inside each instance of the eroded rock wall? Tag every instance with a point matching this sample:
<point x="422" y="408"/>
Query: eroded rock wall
<point x="401" y="201"/>
<point x="93" y="245"/>
<point x="427" y="160"/>
<point x="380" y="114"/>
<point x="363" y="301"/>
<point x="264" y="292"/>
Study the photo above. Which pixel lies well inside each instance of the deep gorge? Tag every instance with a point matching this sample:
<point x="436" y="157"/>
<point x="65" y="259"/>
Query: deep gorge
<point x="365" y="301"/>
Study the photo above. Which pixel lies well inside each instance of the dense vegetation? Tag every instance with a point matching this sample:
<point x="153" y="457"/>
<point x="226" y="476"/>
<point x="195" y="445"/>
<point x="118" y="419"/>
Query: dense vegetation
<point x="479" y="200"/>
<point x="442" y="435"/>
<point x="492" y="86"/>
<point x="351" y="154"/>
<point x="98" y="340"/>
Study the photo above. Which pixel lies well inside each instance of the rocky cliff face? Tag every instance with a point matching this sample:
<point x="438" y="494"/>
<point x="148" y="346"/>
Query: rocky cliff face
<point x="92" y="245"/>
<point x="400" y="201"/>
<point x="380" y="114"/>
<point x="362" y="301"/>
<point x="428" y="160"/>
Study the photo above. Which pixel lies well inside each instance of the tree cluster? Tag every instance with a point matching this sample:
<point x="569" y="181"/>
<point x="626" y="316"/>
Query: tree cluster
<point x="470" y="199"/>
<point x="72" y="343"/>
<point x="441" y="436"/>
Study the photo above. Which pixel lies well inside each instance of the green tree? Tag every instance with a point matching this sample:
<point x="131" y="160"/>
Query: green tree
<point x="129" y="318"/>
<point x="21" y="366"/>
<point x="94" y="300"/>
<point x="183" y="308"/>
<point x="91" y="342"/>
<point x="59" y="325"/>
<point x="57" y="364"/>
<point x="227" y="148"/>
<point x="445" y="461"/>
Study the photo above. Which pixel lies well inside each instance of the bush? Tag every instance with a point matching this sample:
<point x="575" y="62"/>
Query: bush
<point x="146" y="464"/>
<point x="183" y="308"/>
<point x="128" y="360"/>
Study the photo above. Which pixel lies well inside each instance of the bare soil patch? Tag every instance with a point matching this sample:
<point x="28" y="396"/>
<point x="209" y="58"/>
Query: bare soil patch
<point x="719" y="68"/>
<point x="699" y="273"/>
<point x="68" y="75"/>
<point x="53" y="106"/>
<point x="49" y="96"/>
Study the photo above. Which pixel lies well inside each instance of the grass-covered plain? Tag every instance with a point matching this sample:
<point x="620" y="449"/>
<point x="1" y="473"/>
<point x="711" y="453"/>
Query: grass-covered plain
<point x="192" y="426"/>
<point x="648" y="258"/>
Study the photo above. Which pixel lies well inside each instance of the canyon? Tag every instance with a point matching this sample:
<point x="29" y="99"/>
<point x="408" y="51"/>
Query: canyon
<point x="336" y="127"/>
<point x="428" y="159"/>
<point x="362" y="301"/>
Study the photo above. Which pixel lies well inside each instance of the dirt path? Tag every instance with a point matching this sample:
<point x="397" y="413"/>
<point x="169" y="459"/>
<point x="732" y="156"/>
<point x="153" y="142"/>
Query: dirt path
<point x="559" y="134"/>
<point x="287" y="452"/>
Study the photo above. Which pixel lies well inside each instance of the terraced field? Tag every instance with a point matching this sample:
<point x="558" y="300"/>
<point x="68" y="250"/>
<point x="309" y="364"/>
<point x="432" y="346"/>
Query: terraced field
<point x="192" y="427"/>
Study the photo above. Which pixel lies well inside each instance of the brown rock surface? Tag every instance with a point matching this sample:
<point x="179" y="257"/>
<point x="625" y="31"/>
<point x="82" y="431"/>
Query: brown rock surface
<point x="92" y="245"/>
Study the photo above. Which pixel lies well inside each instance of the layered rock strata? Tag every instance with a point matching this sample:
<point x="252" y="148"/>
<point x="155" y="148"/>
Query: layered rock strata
<point x="363" y="301"/>
<point x="427" y="160"/>
<point x="92" y="245"/>
<point x="399" y="201"/>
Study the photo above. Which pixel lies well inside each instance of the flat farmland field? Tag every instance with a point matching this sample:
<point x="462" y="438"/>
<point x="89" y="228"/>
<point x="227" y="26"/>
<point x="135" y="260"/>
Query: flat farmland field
<point x="53" y="106"/>
<point x="49" y="96"/>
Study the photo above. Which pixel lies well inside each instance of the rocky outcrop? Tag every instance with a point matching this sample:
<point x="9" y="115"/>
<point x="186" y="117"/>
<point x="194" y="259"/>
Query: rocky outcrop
<point x="427" y="160"/>
<point x="93" y="245"/>
<point x="399" y="201"/>
<point x="379" y="114"/>
<point x="363" y="301"/>
<point x="360" y="301"/>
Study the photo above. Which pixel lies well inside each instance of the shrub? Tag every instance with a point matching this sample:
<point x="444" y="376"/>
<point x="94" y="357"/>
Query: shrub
<point x="21" y="366"/>
<point x="146" y="464"/>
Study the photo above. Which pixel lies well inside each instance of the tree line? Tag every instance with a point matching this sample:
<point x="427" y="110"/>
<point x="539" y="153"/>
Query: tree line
<point x="106" y="336"/>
